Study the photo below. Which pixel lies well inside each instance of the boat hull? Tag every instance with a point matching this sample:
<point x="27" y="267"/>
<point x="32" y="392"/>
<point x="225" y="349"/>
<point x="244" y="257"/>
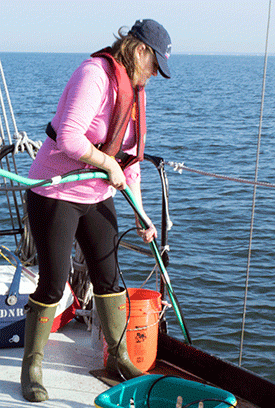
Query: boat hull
<point x="211" y="369"/>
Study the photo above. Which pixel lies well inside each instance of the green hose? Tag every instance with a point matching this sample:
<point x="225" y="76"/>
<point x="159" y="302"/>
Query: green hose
<point x="155" y="251"/>
<point x="88" y="174"/>
<point x="54" y="180"/>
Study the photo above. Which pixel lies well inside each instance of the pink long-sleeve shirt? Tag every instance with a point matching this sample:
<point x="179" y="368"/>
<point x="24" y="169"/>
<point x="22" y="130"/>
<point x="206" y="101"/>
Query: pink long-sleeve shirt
<point x="82" y="117"/>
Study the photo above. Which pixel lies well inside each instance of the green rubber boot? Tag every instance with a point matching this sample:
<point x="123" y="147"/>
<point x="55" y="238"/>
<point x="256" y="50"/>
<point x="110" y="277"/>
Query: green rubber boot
<point x="111" y="309"/>
<point x="38" y="326"/>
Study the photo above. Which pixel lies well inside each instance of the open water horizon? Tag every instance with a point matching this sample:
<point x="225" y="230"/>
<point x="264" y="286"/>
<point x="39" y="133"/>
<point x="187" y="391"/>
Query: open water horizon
<point x="207" y="116"/>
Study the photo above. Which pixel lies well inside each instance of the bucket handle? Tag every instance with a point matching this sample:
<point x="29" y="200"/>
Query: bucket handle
<point x="166" y="306"/>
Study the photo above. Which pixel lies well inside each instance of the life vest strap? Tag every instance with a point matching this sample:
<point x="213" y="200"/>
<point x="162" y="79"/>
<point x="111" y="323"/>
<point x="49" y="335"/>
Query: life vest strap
<point x="124" y="159"/>
<point x="50" y="131"/>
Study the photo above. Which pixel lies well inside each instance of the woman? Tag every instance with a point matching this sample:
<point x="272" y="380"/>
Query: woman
<point x="101" y="114"/>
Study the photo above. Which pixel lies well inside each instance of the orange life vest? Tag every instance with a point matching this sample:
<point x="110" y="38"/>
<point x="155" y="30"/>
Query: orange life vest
<point x="128" y="102"/>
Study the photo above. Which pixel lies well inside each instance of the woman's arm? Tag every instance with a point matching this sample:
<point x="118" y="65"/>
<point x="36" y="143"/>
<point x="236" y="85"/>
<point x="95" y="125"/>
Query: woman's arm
<point x="103" y="161"/>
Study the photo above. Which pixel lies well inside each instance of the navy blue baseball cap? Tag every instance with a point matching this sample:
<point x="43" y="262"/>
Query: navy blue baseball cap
<point x="154" y="34"/>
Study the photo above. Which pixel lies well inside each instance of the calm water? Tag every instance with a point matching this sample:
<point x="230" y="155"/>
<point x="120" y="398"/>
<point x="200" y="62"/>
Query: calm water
<point x="207" y="115"/>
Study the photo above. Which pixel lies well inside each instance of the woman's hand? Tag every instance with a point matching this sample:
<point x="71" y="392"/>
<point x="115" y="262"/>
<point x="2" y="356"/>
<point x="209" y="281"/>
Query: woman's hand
<point x="105" y="162"/>
<point x="146" y="234"/>
<point x="116" y="176"/>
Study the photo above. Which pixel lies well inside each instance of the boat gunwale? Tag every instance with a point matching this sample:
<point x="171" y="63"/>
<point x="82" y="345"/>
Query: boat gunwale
<point x="237" y="380"/>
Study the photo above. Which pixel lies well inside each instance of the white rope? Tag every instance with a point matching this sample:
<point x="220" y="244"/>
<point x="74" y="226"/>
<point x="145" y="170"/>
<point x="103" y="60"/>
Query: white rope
<point x="138" y="328"/>
<point x="22" y="143"/>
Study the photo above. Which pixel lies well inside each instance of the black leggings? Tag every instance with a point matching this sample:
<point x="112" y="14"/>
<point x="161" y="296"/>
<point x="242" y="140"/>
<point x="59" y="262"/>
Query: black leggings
<point x="54" y="225"/>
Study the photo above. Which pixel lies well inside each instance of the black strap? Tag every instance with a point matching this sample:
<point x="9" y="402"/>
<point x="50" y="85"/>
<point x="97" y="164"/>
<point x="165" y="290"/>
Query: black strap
<point x="123" y="157"/>
<point x="51" y="132"/>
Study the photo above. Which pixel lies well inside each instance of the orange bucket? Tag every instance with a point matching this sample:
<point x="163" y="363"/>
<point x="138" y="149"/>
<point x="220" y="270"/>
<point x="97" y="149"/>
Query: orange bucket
<point x="142" y="329"/>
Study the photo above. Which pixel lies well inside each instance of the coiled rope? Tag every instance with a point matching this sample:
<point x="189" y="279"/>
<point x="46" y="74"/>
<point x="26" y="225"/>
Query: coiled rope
<point x="22" y="141"/>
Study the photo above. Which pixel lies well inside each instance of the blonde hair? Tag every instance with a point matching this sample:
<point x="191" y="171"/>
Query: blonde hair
<point x="123" y="50"/>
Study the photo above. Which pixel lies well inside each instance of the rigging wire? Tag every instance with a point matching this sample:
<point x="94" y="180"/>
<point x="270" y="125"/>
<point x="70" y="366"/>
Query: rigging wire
<point x="9" y="104"/>
<point x="255" y="186"/>
<point x="179" y="167"/>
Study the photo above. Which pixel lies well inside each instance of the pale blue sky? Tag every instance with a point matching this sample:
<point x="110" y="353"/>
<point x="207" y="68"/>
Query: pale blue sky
<point x="196" y="26"/>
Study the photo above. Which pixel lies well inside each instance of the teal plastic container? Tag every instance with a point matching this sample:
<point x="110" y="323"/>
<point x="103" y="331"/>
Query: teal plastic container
<point x="158" y="391"/>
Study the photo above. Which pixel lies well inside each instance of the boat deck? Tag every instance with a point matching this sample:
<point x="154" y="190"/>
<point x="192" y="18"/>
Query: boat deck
<point x="68" y="359"/>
